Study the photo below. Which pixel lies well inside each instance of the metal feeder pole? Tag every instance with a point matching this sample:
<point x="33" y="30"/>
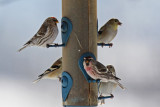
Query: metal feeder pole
<point x="83" y="15"/>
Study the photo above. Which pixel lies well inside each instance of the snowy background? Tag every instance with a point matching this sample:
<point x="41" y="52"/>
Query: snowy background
<point x="135" y="53"/>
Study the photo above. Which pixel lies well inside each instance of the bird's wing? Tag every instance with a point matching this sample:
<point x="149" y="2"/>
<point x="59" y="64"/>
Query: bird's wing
<point x="41" y="33"/>
<point x="43" y="30"/>
<point x="101" y="29"/>
<point x="45" y="73"/>
<point x="49" y="70"/>
<point x="56" y="65"/>
<point x="101" y="68"/>
<point x="58" y="62"/>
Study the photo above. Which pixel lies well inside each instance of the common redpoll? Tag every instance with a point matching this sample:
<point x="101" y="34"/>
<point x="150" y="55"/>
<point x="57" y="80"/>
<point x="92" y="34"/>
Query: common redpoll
<point x="106" y="88"/>
<point x="98" y="71"/>
<point x="45" y="35"/>
<point x="108" y="31"/>
<point x="54" y="72"/>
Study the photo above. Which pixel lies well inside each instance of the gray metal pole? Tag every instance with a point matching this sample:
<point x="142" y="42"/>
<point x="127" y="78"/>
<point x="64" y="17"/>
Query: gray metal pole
<point x="83" y="15"/>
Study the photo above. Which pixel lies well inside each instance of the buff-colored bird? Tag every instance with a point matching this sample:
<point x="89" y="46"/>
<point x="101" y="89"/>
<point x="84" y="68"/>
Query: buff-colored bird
<point x="106" y="88"/>
<point x="54" y="72"/>
<point x="108" y="31"/>
<point x="45" y="35"/>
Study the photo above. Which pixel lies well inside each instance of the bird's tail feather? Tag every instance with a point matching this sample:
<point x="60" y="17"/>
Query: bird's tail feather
<point x="23" y="47"/>
<point x="121" y="85"/>
<point x="37" y="80"/>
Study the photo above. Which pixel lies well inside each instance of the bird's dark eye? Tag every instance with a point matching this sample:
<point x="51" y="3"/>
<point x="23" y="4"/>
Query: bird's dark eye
<point x="116" y="20"/>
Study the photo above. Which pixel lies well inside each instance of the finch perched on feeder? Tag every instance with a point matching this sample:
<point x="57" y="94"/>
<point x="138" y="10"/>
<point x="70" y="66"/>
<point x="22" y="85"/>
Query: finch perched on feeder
<point x="98" y="71"/>
<point x="54" y="72"/>
<point x="106" y="88"/>
<point x="108" y="31"/>
<point x="45" y="35"/>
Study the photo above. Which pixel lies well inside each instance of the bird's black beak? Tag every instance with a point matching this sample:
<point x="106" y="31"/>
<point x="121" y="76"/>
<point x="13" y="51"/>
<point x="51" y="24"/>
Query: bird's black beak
<point x="87" y="64"/>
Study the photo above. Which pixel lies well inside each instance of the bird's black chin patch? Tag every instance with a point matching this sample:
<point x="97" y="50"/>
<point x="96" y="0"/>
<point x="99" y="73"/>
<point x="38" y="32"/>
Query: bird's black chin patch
<point x="87" y="64"/>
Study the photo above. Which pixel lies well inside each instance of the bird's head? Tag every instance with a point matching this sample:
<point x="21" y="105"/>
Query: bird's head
<point x="55" y="19"/>
<point x="87" y="60"/>
<point x="114" y="22"/>
<point x="110" y="68"/>
<point x="51" y="20"/>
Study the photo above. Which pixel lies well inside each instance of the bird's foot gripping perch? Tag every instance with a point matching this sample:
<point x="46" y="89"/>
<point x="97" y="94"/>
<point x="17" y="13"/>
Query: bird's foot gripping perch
<point x="103" y="44"/>
<point x="54" y="45"/>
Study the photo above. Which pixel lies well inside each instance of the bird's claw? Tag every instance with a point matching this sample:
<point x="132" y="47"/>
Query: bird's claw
<point x="56" y="44"/>
<point x="47" y="45"/>
<point x="103" y="44"/>
<point x="110" y="45"/>
<point x="112" y="96"/>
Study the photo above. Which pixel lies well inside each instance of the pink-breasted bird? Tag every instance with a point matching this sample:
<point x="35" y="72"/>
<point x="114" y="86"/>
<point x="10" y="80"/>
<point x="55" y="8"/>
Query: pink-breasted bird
<point x="45" y="35"/>
<point x="98" y="71"/>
